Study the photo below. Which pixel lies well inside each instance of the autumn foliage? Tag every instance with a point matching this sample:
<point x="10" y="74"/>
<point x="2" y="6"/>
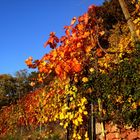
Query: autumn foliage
<point x="73" y="53"/>
<point x="89" y="66"/>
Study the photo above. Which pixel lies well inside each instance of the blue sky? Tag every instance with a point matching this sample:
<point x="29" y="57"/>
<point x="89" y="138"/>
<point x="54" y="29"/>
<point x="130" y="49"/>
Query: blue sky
<point x="25" y="26"/>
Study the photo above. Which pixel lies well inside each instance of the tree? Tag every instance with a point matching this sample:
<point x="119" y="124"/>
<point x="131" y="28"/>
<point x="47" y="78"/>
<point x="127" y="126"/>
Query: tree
<point x="14" y="87"/>
<point x="22" y="82"/>
<point x="7" y="89"/>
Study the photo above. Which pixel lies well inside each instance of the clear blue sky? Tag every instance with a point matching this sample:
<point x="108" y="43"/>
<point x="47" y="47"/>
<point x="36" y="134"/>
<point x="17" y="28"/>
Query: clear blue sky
<point x="25" y="26"/>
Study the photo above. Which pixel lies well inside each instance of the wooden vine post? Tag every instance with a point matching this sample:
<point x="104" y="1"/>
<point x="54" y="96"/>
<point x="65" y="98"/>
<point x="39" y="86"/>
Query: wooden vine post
<point x="130" y="23"/>
<point x="68" y="128"/>
<point x="92" y="124"/>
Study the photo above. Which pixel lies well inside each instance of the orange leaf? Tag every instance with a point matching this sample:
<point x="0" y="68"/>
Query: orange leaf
<point x="88" y="49"/>
<point x="80" y="27"/>
<point x="29" y="61"/>
<point x="52" y="41"/>
<point x="77" y="68"/>
<point x="99" y="52"/>
<point x="67" y="68"/>
<point x="58" y="69"/>
<point x="86" y="34"/>
<point x="67" y="32"/>
<point x="83" y="18"/>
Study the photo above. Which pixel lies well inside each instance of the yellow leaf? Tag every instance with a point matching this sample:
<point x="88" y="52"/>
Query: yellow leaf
<point x="80" y="110"/>
<point x="75" y="122"/>
<point x="83" y="100"/>
<point x="74" y="135"/>
<point x="61" y="123"/>
<point x="134" y="105"/>
<point x="85" y="79"/>
<point x="80" y="119"/>
<point x="129" y="99"/>
<point x="86" y="134"/>
<point x="65" y="125"/>
<point x="61" y="116"/>
<point x="119" y="99"/>
<point x="71" y="98"/>
<point x="91" y="70"/>
<point x="85" y="112"/>
<point x="79" y="137"/>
